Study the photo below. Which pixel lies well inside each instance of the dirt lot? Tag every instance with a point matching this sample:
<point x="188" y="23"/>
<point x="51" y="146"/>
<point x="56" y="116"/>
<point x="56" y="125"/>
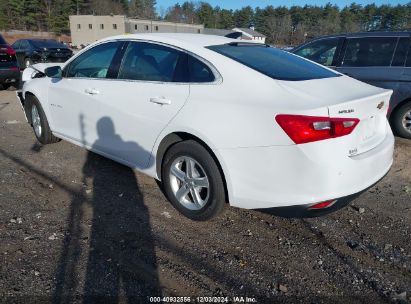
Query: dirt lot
<point x="76" y="227"/>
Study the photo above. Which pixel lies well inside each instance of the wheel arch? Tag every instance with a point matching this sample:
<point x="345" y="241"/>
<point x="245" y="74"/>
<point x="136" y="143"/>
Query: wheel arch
<point x="399" y="105"/>
<point x="173" y="138"/>
<point x="26" y="105"/>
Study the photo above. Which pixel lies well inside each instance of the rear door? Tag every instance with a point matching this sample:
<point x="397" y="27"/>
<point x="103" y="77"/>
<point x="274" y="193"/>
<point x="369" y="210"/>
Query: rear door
<point x="372" y="60"/>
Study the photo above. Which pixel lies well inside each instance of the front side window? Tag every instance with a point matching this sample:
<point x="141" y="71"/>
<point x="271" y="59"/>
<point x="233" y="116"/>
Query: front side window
<point x="94" y="63"/>
<point x="152" y="62"/>
<point x="321" y="51"/>
<point x="273" y="62"/>
<point x="370" y="51"/>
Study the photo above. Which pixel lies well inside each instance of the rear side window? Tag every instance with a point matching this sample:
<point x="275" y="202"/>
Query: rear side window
<point x="273" y="62"/>
<point x="152" y="62"/>
<point x="401" y="52"/>
<point x="199" y="72"/>
<point x="370" y="51"/>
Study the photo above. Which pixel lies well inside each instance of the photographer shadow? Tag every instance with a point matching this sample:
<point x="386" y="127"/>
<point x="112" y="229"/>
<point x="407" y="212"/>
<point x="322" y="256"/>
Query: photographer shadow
<point x="121" y="260"/>
<point x="121" y="264"/>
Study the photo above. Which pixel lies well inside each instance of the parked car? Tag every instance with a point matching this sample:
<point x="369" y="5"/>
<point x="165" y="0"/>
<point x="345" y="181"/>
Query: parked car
<point x="382" y="59"/>
<point x="216" y="120"/>
<point x="9" y="71"/>
<point x="31" y="51"/>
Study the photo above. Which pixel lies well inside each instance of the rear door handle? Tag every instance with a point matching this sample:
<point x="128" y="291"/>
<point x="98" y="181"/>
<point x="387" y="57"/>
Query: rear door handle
<point x="160" y="100"/>
<point x="91" y="91"/>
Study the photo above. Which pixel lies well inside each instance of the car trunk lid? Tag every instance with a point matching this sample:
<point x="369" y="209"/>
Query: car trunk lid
<point x="372" y="113"/>
<point x="345" y="97"/>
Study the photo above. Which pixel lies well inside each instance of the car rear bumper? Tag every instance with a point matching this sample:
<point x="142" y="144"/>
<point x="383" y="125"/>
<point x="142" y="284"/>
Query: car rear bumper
<point x="306" y="211"/>
<point x="9" y="76"/>
<point x="280" y="176"/>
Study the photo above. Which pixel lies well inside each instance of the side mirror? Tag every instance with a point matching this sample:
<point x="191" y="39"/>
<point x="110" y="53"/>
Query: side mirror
<point x="53" y="72"/>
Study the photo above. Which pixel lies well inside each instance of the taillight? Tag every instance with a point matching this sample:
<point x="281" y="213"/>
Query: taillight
<point x="9" y="50"/>
<point x="304" y="129"/>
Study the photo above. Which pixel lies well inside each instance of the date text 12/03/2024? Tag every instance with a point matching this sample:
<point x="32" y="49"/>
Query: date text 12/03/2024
<point x="202" y="300"/>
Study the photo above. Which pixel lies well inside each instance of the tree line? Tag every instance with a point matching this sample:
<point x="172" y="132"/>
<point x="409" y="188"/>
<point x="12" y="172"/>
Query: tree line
<point x="281" y="25"/>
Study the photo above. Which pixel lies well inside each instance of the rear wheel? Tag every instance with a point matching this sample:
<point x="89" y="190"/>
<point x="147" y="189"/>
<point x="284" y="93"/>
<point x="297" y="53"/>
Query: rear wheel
<point x="39" y="121"/>
<point x="401" y="120"/>
<point x="192" y="181"/>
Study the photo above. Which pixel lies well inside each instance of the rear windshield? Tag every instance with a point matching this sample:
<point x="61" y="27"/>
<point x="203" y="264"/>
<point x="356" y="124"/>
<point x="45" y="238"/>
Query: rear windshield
<point x="273" y="62"/>
<point x="47" y="44"/>
<point x="2" y="41"/>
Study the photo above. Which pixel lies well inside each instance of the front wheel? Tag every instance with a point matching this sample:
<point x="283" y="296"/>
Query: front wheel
<point x="192" y="181"/>
<point x="401" y="120"/>
<point x="39" y="121"/>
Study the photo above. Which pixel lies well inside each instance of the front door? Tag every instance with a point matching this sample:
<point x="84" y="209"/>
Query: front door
<point x="120" y="117"/>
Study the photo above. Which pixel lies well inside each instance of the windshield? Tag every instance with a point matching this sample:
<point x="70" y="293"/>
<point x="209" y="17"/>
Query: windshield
<point x="47" y="44"/>
<point x="273" y="62"/>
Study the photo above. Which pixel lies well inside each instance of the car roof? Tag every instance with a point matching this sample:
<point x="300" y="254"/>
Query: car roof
<point x="177" y="39"/>
<point x="368" y="34"/>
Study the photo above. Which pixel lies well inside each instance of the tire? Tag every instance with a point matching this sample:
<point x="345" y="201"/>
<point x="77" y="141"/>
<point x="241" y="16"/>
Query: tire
<point x="401" y="120"/>
<point x="199" y="203"/>
<point x="39" y="121"/>
<point x="5" y="86"/>
<point x="27" y="62"/>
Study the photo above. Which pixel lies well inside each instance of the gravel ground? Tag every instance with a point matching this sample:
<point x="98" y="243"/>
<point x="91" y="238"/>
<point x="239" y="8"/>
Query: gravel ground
<point x="76" y="227"/>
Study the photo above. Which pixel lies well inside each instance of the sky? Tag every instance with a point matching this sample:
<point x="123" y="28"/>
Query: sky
<point x="235" y="4"/>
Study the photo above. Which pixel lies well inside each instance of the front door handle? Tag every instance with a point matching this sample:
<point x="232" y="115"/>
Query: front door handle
<point x="160" y="100"/>
<point x="91" y="91"/>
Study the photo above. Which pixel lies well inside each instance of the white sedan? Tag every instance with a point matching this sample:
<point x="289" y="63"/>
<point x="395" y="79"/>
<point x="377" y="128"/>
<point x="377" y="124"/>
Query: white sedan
<point x="217" y="120"/>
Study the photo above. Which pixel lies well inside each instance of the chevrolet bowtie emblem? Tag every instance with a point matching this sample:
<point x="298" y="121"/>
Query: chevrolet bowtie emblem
<point x="380" y="105"/>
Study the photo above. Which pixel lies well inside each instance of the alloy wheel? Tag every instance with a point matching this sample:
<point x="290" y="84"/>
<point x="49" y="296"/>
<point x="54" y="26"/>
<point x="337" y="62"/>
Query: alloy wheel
<point x="36" y="121"/>
<point x="406" y="121"/>
<point x="189" y="183"/>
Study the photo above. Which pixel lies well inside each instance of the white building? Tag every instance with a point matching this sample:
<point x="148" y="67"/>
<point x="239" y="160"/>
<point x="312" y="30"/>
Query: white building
<point x="250" y="34"/>
<point x="86" y="29"/>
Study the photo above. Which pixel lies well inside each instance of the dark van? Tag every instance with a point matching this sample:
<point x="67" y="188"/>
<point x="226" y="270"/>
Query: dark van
<point x="382" y="59"/>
